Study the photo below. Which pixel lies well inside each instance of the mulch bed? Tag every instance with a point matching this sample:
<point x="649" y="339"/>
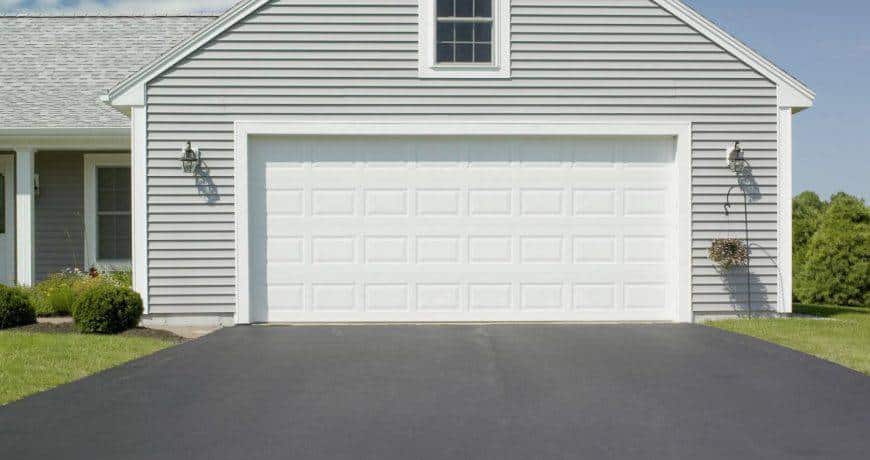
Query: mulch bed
<point x="70" y="328"/>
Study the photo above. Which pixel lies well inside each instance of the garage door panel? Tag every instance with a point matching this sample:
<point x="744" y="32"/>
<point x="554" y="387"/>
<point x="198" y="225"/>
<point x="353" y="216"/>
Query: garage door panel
<point x="429" y="229"/>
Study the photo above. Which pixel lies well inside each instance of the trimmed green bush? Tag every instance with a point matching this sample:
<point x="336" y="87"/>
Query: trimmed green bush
<point x="15" y="308"/>
<point x="107" y="309"/>
<point x="836" y="270"/>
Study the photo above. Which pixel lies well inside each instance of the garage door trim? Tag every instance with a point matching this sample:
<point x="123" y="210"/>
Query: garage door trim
<point x="682" y="132"/>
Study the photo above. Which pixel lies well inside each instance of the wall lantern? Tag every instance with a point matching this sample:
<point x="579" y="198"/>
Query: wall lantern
<point x="189" y="159"/>
<point x="734" y="157"/>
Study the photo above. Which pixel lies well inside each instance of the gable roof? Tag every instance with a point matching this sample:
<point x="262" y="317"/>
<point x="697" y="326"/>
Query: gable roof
<point x="792" y="92"/>
<point x="53" y="69"/>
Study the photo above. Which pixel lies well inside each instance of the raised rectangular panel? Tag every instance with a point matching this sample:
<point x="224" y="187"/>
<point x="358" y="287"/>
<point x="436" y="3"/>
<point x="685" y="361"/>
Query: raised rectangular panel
<point x="285" y="202"/>
<point x="541" y="202"/>
<point x="489" y="296"/>
<point x="435" y="202"/>
<point x="594" y="249"/>
<point x="438" y="297"/>
<point x="489" y="202"/>
<point x="594" y="296"/>
<point x="386" y="202"/>
<point x="645" y="296"/>
<point x="386" y="297"/>
<point x="333" y="249"/>
<point x="333" y="297"/>
<point x="438" y="249"/>
<point x="541" y="249"/>
<point x="333" y="202"/>
<point x="286" y="298"/>
<point x="489" y="249"/>
<point x="592" y="202"/>
<point x="285" y="250"/>
<point x="645" y="249"/>
<point x="645" y="202"/>
<point x="386" y="249"/>
<point x="541" y="297"/>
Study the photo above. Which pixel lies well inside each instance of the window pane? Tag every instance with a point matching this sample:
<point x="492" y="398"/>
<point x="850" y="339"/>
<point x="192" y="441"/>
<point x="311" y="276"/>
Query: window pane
<point x="482" y="53"/>
<point x="114" y="237"/>
<point x="445" y="32"/>
<point x="113" y="213"/>
<point x="483" y="32"/>
<point x="2" y="204"/>
<point x="483" y="8"/>
<point x="445" y="8"/>
<point x="113" y="189"/>
<point x="464" y="53"/>
<point x="445" y="52"/>
<point x="464" y="8"/>
<point x="464" y="32"/>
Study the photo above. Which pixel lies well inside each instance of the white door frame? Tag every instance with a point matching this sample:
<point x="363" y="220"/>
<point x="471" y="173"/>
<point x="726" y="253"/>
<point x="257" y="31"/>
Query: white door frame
<point x="682" y="131"/>
<point x="7" y="240"/>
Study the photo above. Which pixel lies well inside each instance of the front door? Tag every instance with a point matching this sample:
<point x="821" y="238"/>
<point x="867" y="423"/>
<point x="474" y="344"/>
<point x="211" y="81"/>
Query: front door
<point x="7" y="221"/>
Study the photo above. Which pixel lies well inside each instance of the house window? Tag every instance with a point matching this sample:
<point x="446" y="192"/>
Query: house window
<point x="2" y="204"/>
<point x="465" y="39"/>
<point x="464" y="31"/>
<point x="108" y="217"/>
<point x="113" y="213"/>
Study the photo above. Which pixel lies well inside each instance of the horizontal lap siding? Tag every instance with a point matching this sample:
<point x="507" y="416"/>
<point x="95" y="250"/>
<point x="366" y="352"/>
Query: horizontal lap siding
<point x="578" y="60"/>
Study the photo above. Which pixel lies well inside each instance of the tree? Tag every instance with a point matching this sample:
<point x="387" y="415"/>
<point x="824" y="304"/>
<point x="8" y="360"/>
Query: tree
<point x="807" y="213"/>
<point x="836" y="263"/>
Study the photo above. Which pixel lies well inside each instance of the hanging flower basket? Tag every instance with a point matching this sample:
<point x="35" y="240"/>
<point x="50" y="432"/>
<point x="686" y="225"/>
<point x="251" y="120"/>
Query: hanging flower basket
<point x="728" y="253"/>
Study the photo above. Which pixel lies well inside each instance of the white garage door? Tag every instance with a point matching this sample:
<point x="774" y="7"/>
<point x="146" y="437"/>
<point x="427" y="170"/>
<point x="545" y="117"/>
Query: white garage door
<point x="471" y="229"/>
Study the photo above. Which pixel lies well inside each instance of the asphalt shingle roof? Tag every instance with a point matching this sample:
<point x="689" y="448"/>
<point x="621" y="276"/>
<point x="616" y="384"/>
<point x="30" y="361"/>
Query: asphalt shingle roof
<point x="53" y="69"/>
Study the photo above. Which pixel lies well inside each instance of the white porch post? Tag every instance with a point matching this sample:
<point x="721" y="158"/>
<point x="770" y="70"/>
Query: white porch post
<point x="784" y="166"/>
<point x="138" y="169"/>
<point x="24" y="206"/>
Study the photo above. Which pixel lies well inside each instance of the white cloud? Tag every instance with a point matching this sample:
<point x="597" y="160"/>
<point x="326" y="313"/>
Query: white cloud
<point x="115" y="6"/>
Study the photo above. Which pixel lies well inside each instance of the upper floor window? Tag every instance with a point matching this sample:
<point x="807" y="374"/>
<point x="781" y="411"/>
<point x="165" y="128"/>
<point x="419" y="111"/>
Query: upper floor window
<point x="465" y="38"/>
<point x="464" y="31"/>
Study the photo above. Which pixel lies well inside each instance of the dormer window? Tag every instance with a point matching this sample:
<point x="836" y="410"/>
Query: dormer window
<point x="465" y="39"/>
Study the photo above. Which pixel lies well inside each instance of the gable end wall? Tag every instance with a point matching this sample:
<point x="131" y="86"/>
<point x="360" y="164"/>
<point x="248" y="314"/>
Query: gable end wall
<point x="579" y="60"/>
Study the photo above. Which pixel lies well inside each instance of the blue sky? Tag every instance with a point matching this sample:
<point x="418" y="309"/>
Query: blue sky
<point x="826" y="44"/>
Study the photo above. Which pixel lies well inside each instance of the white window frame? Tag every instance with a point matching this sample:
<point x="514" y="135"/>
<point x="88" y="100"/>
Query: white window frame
<point x="92" y="162"/>
<point x="500" y="67"/>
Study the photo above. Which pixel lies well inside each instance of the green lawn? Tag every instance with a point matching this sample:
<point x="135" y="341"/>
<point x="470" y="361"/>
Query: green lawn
<point x="33" y="362"/>
<point x="843" y="336"/>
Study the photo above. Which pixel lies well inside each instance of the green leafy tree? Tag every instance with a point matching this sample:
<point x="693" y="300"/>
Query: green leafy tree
<point x="836" y="265"/>
<point x="807" y="213"/>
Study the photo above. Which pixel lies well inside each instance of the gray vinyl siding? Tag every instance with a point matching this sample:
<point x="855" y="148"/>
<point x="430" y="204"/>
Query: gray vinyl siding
<point x="575" y="60"/>
<point x="59" y="211"/>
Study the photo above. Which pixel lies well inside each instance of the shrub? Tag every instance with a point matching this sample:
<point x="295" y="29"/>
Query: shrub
<point x="56" y="295"/>
<point x="107" y="309"/>
<point x="837" y="265"/>
<point x="15" y="308"/>
<point x="728" y="253"/>
<point x="122" y="278"/>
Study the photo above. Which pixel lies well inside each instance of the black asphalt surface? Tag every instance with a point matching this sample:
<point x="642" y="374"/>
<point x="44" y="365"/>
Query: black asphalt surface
<point x="454" y="392"/>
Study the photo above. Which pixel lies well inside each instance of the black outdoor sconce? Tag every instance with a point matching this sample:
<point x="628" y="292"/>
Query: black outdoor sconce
<point x="190" y="159"/>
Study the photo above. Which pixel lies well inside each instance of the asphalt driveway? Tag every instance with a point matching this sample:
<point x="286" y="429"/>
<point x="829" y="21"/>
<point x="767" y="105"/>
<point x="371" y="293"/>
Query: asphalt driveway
<point x="454" y="392"/>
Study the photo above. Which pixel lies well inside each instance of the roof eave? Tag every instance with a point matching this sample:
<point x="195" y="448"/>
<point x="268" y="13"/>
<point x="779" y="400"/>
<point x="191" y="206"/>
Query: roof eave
<point x="131" y="91"/>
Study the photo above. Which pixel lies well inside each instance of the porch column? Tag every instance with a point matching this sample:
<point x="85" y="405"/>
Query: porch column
<point x="24" y="205"/>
